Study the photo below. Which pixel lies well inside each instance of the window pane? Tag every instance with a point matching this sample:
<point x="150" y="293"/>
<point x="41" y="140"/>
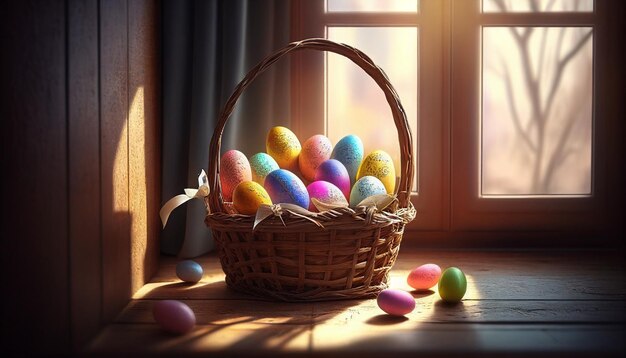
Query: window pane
<point x="373" y="5"/>
<point x="355" y="103"/>
<point x="537" y="5"/>
<point x="537" y="122"/>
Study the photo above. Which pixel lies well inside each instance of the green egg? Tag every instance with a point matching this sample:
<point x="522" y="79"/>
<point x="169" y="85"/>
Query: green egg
<point x="452" y="285"/>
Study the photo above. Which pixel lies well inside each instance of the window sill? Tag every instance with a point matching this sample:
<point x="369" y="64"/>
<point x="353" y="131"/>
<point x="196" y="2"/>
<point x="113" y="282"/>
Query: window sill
<point x="518" y="302"/>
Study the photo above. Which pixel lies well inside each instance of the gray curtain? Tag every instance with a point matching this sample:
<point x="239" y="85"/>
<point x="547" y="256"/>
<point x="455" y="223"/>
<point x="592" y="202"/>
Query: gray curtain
<point x="208" y="47"/>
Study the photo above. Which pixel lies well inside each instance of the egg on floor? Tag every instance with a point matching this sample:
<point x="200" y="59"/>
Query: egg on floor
<point x="325" y="192"/>
<point x="189" y="271"/>
<point x="364" y="188"/>
<point x="315" y="151"/>
<point x="248" y="196"/>
<point x="396" y="302"/>
<point x="336" y="173"/>
<point x="424" y="277"/>
<point x="283" y="145"/>
<point x="452" y="285"/>
<point x="380" y="165"/>
<point x="349" y="151"/>
<point x="174" y="316"/>
<point x="284" y="186"/>
<point x="261" y="165"/>
<point x="234" y="168"/>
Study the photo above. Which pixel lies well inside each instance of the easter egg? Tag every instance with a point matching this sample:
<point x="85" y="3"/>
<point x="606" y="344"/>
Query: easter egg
<point x="284" y="186"/>
<point x="395" y="302"/>
<point x="365" y="187"/>
<point x="349" y="151"/>
<point x="234" y="168"/>
<point x="261" y="164"/>
<point x="283" y="145"/>
<point x="326" y="193"/>
<point x="380" y="165"/>
<point x="452" y="285"/>
<point x="424" y="277"/>
<point x="315" y="151"/>
<point x="334" y="172"/>
<point x="248" y="196"/>
<point x="189" y="271"/>
<point x="173" y="316"/>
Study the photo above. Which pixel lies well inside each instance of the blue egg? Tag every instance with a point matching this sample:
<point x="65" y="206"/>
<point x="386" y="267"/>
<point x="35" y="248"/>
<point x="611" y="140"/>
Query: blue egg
<point x="284" y="186"/>
<point x="262" y="164"/>
<point x="189" y="271"/>
<point x="349" y="151"/>
<point x="366" y="187"/>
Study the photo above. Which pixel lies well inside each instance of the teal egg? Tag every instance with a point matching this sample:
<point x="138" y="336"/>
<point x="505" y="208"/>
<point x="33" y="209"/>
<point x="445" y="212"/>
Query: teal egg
<point x="452" y="285"/>
<point x="365" y="187"/>
<point x="261" y="165"/>
<point x="349" y="151"/>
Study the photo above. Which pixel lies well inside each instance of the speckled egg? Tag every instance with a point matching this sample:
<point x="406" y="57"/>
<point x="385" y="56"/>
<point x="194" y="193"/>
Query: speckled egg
<point x="234" y="168"/>
<point x="424" y="276"/>
<point x="173" y="316"/>
<point x="365" y="187"/>
<point x="261" y="165"/>
<point x="189" y="271"/>
<point x="284" y="186"/>
<point x="452" y="285"/>
<point x="380" y="165"/>
<point x="396" y="302"/>
<point x="314" y="152"/>
<point x="248" y="196"/>
<point x="283" y="145"/>
<point x="349" y="151"/>
<point x="334" y="172"/>
<point x="326" y="193"/>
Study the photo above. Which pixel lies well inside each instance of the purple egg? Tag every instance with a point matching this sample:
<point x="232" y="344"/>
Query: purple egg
<point x="173" y="316"/>
<point x="396" y="302"/>
<point x="333" y="171"/>
<point x="325" y="192"/>
<point x="284" y="186"/>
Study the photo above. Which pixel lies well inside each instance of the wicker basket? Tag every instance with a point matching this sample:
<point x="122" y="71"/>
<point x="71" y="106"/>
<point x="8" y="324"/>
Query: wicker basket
<point x="337" y="254"/>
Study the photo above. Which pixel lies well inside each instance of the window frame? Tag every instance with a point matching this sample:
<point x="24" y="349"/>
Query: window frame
<point x="448" y="203"/>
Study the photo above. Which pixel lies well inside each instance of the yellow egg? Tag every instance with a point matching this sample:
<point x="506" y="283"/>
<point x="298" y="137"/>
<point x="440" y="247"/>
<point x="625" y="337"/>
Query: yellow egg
<point x="283" y="145"/>
<point x="248" y="196"/>
<point x="380" y="165"/>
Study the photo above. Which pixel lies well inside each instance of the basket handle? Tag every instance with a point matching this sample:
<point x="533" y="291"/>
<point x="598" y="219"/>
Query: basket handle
<point x="403" y="191"/>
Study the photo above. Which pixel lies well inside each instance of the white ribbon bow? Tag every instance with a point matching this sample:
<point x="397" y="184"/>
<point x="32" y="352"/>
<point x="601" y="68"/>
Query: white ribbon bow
<point x="202" y="191"/>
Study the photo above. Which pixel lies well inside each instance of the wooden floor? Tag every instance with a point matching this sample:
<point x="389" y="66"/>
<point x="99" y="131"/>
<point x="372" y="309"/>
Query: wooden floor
<point x="517" y="303"/>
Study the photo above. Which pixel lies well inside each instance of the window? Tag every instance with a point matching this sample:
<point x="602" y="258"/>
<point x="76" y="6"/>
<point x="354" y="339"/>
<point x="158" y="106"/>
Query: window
<point x="502" y="98"/>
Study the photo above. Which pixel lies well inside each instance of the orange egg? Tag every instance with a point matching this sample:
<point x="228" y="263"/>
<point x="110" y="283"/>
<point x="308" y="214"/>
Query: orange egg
<point x="248" y="196"/>
<point x="315" y="151"/>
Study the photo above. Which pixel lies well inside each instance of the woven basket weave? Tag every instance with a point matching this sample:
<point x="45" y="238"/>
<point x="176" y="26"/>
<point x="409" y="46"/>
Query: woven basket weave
<point x="345" y="253"/>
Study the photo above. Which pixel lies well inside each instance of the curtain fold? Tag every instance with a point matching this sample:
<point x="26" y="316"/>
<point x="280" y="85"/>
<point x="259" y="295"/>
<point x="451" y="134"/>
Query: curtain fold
<point x="208" y="46"/>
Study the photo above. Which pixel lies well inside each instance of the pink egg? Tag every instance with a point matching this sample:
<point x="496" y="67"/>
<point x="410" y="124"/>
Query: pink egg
<point x="396" y="302"/>
<point x="424" y="277"/>
<point x="334" y="172"/>
<point x="173" y="316"/>
<point x="315" y="151"/>
<point x="234" y="168"/>
<point x="325" y="192"/>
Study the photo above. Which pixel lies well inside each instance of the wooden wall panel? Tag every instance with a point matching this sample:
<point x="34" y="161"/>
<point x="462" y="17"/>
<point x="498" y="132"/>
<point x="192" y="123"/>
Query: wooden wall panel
<point x="116" y="248"/>
<point x="84" y="170"/>
<point x="34" y="229"/>
<point x="144" y="139"/>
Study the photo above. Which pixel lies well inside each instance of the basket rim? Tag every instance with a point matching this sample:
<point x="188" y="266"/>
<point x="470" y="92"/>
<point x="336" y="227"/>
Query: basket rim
<point x="215" y="202"/>
<point x="344" y="218"/>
